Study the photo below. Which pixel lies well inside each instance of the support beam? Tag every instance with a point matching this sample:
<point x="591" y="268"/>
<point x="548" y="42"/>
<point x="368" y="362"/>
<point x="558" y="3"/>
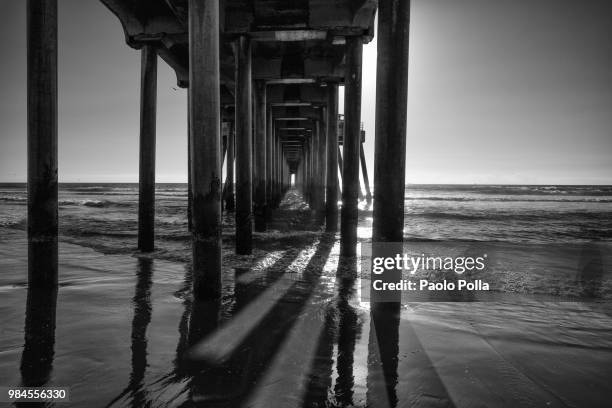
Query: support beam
<point x="259" y="169"/>
<point x="244" y="192"/>
<point x="364" y="170"/>
<point x="230" y="204"/>
<point x="42" y="144"/>
<point x="146" y="182"/>
<point x="205" y="134"/>
<point x="331" y="199"/>
<point x="391" y="112"/>
<point x="352" y="139"/>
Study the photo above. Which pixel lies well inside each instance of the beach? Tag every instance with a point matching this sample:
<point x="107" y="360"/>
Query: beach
<point x="292" y="328"/>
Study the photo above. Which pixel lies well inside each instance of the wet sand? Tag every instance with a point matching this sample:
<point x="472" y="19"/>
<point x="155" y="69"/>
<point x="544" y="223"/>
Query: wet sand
<point x="290" y="331"/>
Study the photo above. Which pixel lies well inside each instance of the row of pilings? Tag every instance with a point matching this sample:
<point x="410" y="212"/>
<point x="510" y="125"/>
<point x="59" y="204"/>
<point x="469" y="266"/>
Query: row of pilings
<point x="264" y="160"/>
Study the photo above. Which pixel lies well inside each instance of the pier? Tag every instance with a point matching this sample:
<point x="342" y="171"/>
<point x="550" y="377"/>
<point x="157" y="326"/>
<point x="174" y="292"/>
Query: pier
<point x="248" y="286"/>
<point x="262" y="79"/>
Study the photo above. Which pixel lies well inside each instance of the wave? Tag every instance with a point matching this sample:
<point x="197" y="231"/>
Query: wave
<point x="95" y="203"/>
<point x="20" y="223"/>
<point x="73" y="202"/>
<point x="14" y="199"/>
<point x="508" y="199"/>
<point x="517" y="189"/>
<point x="97" y="189"/>
<point x="511" y="216"/>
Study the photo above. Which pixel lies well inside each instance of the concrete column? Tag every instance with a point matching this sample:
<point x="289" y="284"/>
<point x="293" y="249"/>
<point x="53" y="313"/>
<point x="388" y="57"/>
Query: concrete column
<point x="283" y="172"/>
<point x="42" y="143"/>
<point x="321" y="163"/>
<point x="244" y="142"/>
<point x="269" y="160"/>
<point x="383" y="350"/>
<point x="224" y="147"/>
<point x="189" y="190"/>
<point x="279" y="152"/>
<point x="312" y="165"/>
<point x="259" y="169"/>
<point x="340" y="164"/>
<point x="205" y="135"/>
<point x="364" y="170"/>
<point x="308" y="180"/>
<point x="391" y="111"/>
<point x="303" y="168"/>
<point x="352" y="139"/>
<point x="298" y="174"/>
<point x="39" y="336"/>
<point x="315" y="167"/>
<point x="230" y="204"/>
<point x="331" y="199"/>
<point x="146" y="182"/>
<point x="273" y="178"/>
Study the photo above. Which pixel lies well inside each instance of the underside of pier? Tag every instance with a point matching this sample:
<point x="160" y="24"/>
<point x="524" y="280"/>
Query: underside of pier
<point x="262" y="79"/>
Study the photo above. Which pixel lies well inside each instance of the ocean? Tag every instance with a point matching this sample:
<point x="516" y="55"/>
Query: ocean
<point x="292" y="328"/>
<point x="491" y="213"/>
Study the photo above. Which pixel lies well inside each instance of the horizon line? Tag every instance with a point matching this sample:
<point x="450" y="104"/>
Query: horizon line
<point x="371" y="184"/>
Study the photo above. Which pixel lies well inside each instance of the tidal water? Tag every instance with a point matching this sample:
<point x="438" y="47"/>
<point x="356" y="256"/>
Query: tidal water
<point x="292" y="329"/>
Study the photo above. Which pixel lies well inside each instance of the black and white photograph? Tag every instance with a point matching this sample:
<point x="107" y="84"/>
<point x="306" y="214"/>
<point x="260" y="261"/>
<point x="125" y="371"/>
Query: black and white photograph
<point x="306" y="203"/>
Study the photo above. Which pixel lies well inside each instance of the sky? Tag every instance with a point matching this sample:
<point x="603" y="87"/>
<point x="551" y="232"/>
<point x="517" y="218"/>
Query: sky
<point x="500" y="92"/>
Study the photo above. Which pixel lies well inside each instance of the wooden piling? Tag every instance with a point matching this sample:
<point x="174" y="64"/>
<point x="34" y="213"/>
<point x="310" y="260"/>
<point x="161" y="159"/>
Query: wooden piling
<point x="391" y="111"/>
<point x="244" y="192"/>
<point x="331" y="192"/>
<point x="352" y="139"/>
<point x="42" y="143"/>
<point x="146" y="182"/>
<point x="259" y="168"/>
<point x="205" y="134"/>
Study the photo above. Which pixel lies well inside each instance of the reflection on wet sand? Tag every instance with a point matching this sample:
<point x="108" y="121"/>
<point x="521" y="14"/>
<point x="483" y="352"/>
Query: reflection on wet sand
<point x="142" y="317"/>
<point x="349" y="328"/>
<point x="383" y="351"/>
<point x="243" y="368"/>
<point x="300" y="353"/>
<point x="590" y="271"/>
